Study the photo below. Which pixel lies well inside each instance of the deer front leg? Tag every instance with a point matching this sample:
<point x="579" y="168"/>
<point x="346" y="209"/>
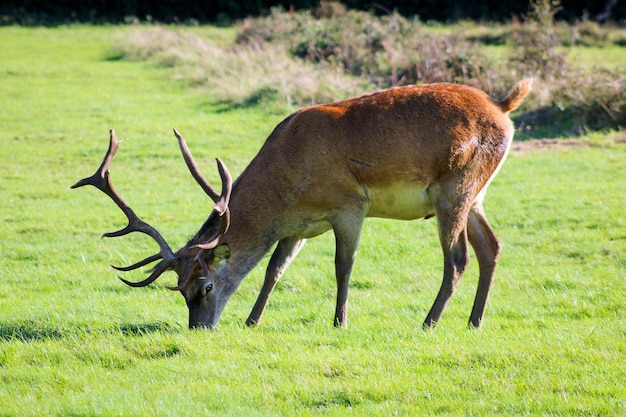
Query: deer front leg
<point x="347" y="230"/>
<point x="487" y="248"/>
<point x="286" y="251"/>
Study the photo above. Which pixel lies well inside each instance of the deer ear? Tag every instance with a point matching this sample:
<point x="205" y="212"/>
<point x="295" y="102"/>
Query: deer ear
<point x="221" y="252"/>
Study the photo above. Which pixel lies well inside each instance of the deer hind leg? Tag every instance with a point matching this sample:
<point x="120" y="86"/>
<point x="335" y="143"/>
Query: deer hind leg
<point x="285" y="252"/>
<point x="347" y="228"/>
<point x="452" y="220"/>
<point x="487" y="248"/>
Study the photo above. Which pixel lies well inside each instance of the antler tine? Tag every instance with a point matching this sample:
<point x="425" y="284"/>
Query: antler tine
<point x="187" y="277"/>
<point x="193" y="168"/>
<point x="223" y="228"/>
<point x="182" y="283"/>
<point x="221" y="200"/>
<point x="101" y="180"/>
<point x="97" y="179"/>
<point x="227" y="186"/>
<point x="203" y="265"/>
<point x="221" y="207"/>
<point x="139" y="264"/>
<point x="158" y="270"/>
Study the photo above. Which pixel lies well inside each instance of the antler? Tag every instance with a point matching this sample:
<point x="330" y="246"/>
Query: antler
<point x="101" y="180"/>
<point x="221" y="200"/>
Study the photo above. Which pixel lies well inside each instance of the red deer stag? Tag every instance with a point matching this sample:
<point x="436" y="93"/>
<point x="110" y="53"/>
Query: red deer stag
<point x="403" y="153"/>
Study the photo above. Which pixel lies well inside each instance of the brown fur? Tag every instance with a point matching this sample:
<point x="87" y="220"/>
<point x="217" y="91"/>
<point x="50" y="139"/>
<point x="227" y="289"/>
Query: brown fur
<point x="323" y="165"/>
<point x="402" y="153"/>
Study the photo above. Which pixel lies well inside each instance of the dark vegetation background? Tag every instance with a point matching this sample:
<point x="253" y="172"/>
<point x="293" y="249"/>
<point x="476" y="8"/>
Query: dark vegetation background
<point x="29" y="12"/>
<point x="310" y="56"/>
<point x="303" y="52"/>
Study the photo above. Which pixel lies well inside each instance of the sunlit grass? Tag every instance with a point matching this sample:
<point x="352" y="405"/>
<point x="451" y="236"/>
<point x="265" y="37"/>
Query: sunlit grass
<point x="610" y="57"/>
<point x="74" y="340"/>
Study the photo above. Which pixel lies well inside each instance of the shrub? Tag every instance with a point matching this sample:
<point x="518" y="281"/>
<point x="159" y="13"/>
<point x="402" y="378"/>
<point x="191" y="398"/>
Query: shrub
<point x="597" y="99"/>
<point x="387" y="51"/>
<point x="239" y="74"/>
<point x="331" y="53"/>
<point x="392" y="50"/>
<point x="536" y="43"/>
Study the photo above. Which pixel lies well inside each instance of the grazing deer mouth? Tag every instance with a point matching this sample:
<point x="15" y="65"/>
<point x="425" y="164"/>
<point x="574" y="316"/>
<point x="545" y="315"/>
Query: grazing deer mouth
<point x="202" y="325"/>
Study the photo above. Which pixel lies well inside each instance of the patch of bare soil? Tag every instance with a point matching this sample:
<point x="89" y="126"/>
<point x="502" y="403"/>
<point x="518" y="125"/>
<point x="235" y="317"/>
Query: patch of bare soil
<point x="539" y="145"/>
<point x="527" y="146"/>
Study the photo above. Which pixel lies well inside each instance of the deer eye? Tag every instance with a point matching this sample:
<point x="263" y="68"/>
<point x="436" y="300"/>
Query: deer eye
<point x="207" y="288"/>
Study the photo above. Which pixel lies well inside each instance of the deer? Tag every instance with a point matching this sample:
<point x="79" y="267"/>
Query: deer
<point x="404" y="153"/>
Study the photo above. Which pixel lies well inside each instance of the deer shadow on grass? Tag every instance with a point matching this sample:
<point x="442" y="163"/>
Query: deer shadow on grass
<point x="36" y="331"/>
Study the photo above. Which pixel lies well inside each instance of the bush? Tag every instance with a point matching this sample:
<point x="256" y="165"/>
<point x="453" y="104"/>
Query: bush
<point x="330" y="53"/>
<point x="387" y="51"/>
<point x="392" y="50"/>
<point x="578" y="103"/>
<point x="239" y="75"/>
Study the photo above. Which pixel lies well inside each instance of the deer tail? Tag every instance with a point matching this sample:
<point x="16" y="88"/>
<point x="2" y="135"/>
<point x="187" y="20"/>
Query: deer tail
<point x="515" y="97"/>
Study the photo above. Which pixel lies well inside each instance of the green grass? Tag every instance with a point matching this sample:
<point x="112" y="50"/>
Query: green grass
<point x="74" y="340"/>
<point x="610" y="57"/>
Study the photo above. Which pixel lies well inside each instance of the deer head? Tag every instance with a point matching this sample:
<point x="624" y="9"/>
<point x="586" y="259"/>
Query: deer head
<point x="198" y="263"/>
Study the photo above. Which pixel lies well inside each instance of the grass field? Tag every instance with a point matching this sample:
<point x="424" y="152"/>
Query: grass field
<point x="74" y="340"/>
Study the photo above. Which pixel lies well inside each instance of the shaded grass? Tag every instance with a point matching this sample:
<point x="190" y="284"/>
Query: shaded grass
<point x="76" y="341"/>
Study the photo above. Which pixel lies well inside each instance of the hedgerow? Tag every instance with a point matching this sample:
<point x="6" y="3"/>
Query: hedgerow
<point x="325" y="54"/>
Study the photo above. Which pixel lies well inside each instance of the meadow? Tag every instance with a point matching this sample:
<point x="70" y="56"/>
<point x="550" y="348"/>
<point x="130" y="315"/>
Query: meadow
<point x="75" y="341"/>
